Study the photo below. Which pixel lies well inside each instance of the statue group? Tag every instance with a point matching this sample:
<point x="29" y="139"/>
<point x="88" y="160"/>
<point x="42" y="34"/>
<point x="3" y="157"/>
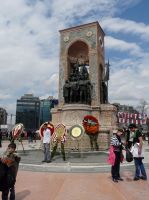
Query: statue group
<point x="78" y="88"/>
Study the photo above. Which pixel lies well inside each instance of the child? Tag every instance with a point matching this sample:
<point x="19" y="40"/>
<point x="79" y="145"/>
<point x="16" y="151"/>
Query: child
<point x="11" y="161"/>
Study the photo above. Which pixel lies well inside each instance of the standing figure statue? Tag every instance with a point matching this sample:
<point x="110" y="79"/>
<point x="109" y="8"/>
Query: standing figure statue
<point x="104" y="92"/>
<point x="66" y="91"/>
<point x="93" y="142"/>
<point x="74" y="92"/>
<point x="75" y="68"/>
<point x="74" y="74"/>
<point x="83" y="72"/>
<point x="83" y="91"/>
<point x="89" y="92"/>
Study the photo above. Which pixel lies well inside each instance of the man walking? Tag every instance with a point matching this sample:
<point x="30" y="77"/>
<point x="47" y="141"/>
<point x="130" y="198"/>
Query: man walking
<point x="46" y="143"/>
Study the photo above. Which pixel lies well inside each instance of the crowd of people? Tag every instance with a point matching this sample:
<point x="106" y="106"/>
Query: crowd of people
<point x="133" y="144"/>
<point x="30" y="135"/>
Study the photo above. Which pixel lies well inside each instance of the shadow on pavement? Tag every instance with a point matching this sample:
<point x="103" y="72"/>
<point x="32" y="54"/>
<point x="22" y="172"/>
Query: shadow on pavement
<point x="22" y="195"/>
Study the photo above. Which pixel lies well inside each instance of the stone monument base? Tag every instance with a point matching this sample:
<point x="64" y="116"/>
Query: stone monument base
<point x="73" y="114"/>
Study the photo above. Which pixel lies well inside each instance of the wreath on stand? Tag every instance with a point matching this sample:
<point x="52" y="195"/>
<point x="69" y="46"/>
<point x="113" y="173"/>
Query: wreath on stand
<point x="91" y="127"/>
<point x="50" y="126"/>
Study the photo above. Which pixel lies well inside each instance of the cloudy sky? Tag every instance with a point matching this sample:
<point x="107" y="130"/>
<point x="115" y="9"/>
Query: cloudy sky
<point x="29" y="46"/>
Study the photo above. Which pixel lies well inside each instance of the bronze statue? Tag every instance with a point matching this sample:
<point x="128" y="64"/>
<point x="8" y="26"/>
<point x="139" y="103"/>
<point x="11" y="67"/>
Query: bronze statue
<point x="74" y="92"/>
<point x="83" y="91"/>
<point x="78" y="89"/>
<point x="83" y="72"/>
<point x="89" y="89"/>
<point x="66" y="91"/>
<point x="104" y="92"/>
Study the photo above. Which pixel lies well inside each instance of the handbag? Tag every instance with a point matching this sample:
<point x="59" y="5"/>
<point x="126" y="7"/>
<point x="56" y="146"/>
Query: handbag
<point x="129" y="155"/>
<point x="135" y="149"/>
<point x="111" y="157"/>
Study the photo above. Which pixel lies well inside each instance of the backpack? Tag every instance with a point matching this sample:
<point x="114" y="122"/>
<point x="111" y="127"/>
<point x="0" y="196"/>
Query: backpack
<point x="129" y="155"/>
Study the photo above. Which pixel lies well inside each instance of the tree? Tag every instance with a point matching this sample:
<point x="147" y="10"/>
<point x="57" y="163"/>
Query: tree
<point x="143" y="106"/>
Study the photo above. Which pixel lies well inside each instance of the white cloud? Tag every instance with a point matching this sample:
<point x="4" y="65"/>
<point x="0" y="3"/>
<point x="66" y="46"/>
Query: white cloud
<point x="29" y="40"/>
<point x="118" y="25"/>
<point x="121" y="45"/>
<point x="128" y="84"/>
<point x="4" y="96"/>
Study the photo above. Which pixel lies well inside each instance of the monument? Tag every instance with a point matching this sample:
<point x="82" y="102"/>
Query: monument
<point x="83" y="89"/>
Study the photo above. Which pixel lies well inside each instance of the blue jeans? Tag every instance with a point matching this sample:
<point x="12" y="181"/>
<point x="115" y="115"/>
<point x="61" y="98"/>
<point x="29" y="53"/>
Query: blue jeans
<point x="140" y="170"/>
<point x="12" y="193"/>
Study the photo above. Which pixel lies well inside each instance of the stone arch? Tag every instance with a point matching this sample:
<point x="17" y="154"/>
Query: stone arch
<point x="77" y="51"/>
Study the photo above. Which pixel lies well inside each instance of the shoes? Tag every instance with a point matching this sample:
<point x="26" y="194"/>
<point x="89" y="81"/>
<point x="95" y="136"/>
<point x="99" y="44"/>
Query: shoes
<point x="136" y="178"/>
<point x="143" y="178"/>
<point x="115" y="180"/>
<point x="48" y="161"/>
<point x="120" y="179"/>
<point x="44" y="161"/>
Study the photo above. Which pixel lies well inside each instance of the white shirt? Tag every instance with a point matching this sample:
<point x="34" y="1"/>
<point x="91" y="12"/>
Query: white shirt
<point x="46" y="136"/>
<point x="131" y="136"/>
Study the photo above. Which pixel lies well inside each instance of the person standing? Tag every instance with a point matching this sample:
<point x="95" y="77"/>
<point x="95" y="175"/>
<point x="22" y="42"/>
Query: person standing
<point x="148" y="137"/>
<point x="0" y="138"/>
<point x="29" y="136"/>
<point x="136" y="150"/>
<point x="46" y="143"/>
<point x="11" y="162"/>
<point x="116" y="146"/>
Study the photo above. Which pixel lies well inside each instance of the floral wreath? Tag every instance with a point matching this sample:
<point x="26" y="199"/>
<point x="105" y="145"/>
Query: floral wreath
<point x="50" y="126"/>
<point x="17" y="130"/>
<point x="59" y="134"/>
<point x="90" y="124"/>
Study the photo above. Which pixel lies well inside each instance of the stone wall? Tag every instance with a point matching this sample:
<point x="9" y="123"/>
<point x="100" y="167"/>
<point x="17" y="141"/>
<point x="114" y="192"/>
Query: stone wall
<point x="73" y="114"/>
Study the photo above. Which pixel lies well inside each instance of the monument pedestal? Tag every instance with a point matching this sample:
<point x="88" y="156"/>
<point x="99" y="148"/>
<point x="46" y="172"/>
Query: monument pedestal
<point x="73" y="114"/>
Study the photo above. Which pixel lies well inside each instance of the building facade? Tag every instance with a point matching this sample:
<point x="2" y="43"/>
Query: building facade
<point x="28" y="111"/>
<point x="127" y="115"/>
<point x="3" y="116"/>
<point x="45" y="109"/>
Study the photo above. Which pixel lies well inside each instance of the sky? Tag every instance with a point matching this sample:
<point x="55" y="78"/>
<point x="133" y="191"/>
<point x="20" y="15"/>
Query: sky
<point x="29" y="46"/>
